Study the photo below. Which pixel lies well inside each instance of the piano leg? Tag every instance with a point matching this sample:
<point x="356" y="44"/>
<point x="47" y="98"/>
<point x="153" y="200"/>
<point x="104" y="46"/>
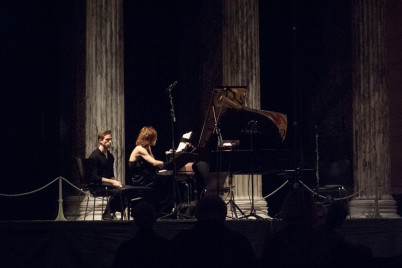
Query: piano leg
<point x="201" y="171"/>
<point x="216" y="184"/>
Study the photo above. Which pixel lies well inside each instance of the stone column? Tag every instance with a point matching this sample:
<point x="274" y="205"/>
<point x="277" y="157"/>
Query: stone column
<point x="370" y="114"/>
<point x="105" y="77"/>
<point x="241" y="67"/>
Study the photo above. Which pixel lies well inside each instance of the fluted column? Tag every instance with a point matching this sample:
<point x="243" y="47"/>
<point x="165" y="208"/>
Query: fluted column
<point x="370" y="114"/>
<point x="241" y="67"/>
<point x="105" y="77"/>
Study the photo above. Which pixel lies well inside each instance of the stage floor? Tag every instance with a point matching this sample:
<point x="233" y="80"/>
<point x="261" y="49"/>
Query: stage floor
<point x="94" y="243"/>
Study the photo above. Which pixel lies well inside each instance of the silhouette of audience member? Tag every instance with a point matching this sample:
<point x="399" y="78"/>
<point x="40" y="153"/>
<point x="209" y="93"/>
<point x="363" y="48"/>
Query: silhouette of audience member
<point x="210" y="243"/>
<point x="342" y="252"/>
<point x="335" y="216"/>
<point x="298" y="244"/>
<point x="146" y="249"/>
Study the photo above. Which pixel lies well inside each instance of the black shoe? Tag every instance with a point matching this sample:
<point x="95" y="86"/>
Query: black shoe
<point x="107" y="216"/>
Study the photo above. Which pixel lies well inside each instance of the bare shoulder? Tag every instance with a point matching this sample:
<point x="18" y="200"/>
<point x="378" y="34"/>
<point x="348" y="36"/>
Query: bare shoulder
<point x="137" y="151"/>
<point x="140" y="150"/>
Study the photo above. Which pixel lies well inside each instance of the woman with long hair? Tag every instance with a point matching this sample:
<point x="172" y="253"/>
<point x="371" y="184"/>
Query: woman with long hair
<point x="142" y="163"/>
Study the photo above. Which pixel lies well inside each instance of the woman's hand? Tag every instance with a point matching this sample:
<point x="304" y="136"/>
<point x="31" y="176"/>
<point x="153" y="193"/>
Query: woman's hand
<point x="112" y="181"/>
<point x="116" y="183"/>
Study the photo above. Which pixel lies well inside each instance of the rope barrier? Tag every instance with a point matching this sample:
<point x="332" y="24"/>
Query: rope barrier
<point x="43" y="187"/>
<point x="280" y="187"/>
<point x="314" y="192"/>
<point x="324" y="197"/>
<point x="72" y="185"/>
<point x="60" y="215"/>
<point x="31" y="192"/>
<point x="60" y="179"/>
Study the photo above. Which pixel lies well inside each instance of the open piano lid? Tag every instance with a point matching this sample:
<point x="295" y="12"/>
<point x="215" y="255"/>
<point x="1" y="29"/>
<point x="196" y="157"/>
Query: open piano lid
<point x="227" y="109"/>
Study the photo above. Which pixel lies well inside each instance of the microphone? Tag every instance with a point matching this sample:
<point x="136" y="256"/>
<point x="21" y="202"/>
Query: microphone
<point x="171" y="86"/>
<point x="253" y="126"/>
<point x="252" y="123"/>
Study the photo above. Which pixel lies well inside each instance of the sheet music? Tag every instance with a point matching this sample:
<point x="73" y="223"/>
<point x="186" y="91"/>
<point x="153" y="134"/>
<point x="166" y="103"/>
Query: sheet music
<point x="182" y="144"/>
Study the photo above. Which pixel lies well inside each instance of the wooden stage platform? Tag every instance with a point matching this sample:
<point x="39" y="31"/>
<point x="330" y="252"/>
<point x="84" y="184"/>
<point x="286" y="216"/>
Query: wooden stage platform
<point x="94" y="243"/>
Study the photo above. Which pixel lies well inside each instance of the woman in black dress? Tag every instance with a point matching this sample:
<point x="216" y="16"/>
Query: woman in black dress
<point x="143" y="168"/>
<point x="142" y="163"/>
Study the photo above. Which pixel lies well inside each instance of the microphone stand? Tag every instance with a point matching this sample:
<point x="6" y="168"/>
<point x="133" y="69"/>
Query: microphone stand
<point x="297" y="146"/>
<point x="253" y="130"/>
<point x="172" y="122"/>
<point x="217" y="131"/>
<point x="317" y="159"/>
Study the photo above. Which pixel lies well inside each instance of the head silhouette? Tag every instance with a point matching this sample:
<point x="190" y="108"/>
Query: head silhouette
<point x="144" y="215"/>
<point x="211" y="207"/>
<point x="299" y="208"/>
<point x="336" y="214"/>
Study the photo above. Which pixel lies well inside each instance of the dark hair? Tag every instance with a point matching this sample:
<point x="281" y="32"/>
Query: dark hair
<point x="299" y="208"/>
<point x="211" y="207"/>
<point x="144" y="215"/>
<point x="103" y="133"/>
<point x="336" y="214"/>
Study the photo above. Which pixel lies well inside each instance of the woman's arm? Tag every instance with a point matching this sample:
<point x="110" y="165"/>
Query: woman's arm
<point x="147" y="157"/>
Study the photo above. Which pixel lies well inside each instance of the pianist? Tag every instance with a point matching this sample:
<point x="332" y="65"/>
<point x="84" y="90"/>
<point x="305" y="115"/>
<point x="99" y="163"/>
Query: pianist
<point x="143" y="169"/>
<point x="142" y="163"/>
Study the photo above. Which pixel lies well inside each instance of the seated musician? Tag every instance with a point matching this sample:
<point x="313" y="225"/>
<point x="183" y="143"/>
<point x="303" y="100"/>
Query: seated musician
<point x="143" y="168"/>
<point x="142" y="163"/>
<point x="102" y="174"/>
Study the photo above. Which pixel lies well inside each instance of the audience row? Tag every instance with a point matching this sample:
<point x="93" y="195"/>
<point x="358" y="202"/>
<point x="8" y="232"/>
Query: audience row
<point x="303" y="241"/>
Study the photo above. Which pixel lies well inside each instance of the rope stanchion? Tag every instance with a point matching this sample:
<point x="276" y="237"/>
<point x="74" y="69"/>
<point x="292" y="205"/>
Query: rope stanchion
<point x="60" y="215"/>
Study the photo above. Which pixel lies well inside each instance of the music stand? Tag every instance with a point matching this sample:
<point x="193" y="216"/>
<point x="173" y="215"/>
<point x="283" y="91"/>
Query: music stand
<point x="219" y="144"/>
<point x="228" y="161"/>
<point x="231" y="202"/>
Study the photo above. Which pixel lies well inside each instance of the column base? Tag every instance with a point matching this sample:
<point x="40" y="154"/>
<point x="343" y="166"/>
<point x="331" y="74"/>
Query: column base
<point x="369" y="208"/>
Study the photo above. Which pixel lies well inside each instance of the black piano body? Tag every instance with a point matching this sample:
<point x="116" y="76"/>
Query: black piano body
<point x="259" y="135"/>
<point x="258" y="161"/>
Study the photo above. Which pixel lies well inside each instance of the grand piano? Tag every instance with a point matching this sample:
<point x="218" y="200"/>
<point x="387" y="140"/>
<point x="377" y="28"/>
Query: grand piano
<point x="238" y="139"/>
<point x="244" y="140"/>
<point x="235" y="139"/>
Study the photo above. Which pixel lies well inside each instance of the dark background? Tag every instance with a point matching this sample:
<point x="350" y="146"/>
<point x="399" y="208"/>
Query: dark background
<point x="305" y="73"/>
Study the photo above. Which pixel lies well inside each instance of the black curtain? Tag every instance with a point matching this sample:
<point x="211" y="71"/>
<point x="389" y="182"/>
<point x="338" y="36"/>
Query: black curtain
<point x="41" y="52"/>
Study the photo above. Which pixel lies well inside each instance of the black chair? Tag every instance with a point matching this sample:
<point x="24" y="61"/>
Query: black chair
<point x="129" y="195"/>
<point x="84" y="170"/>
